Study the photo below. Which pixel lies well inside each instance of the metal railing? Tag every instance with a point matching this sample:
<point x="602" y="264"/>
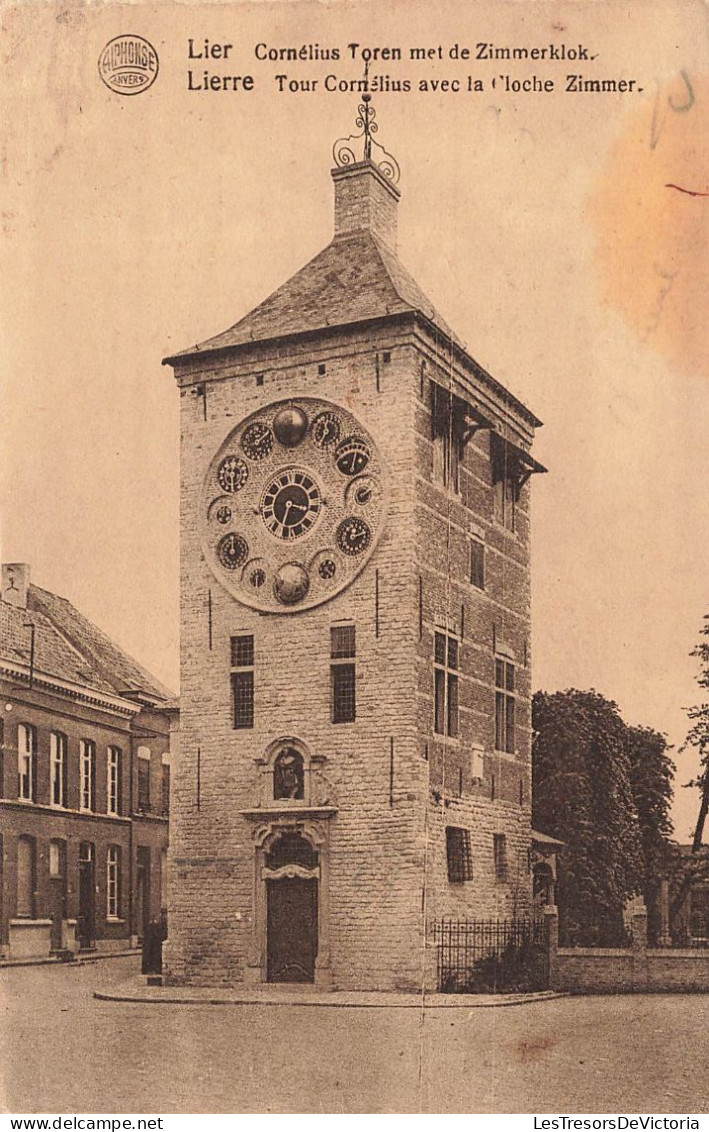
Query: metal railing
<point x="491" y="956"/>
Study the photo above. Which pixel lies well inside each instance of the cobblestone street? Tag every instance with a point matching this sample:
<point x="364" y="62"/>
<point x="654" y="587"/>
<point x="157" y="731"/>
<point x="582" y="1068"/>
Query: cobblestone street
<point x="63" y="1051"/>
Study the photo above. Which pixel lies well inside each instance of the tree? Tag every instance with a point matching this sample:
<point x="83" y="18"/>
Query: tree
<point x="651" y="776"/>
<point x="591" y="791"/>
<point x="697" y="737"/>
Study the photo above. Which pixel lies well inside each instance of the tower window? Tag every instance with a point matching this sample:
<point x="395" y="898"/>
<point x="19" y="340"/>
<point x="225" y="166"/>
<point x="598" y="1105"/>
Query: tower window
<point x="87" y="774"/>
<point x="242" y="680"/>
<point x="458" y="855"/>
<point x="477" y="563"/>
<point x="447" y="434"/>
<point x="342" y="673"/>
<point x="445" y="685"/>
<point x="504" y="705"/>
<point x="57" y="768"/>
<point x="499" y="842"/>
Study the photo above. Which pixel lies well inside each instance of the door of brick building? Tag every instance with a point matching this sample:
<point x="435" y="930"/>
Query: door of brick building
<point x="142" y="893"/>
<point x="292" y="929"/>
<point x="85" y="925"/>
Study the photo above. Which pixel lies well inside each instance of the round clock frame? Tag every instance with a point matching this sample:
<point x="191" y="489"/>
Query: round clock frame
<point x="308" y="510"/>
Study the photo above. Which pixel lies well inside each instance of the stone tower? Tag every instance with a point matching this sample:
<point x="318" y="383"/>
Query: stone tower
<point x="355" y="711"/>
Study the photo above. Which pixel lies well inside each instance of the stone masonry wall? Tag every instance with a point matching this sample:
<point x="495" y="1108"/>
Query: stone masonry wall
<point x="376" y="851"/>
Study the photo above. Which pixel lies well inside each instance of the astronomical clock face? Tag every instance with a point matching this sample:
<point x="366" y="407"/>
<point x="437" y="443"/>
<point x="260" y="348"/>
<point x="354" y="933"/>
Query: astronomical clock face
<point x="293" y="505"/>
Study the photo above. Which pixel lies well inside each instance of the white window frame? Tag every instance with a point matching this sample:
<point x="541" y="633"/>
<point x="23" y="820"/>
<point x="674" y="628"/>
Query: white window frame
<point x="113" y="882"/>
<point x="113" y="781"/>
<point x="57" y="768"/>
<point x="26" y="754"/>
<point x="87" y="774"/>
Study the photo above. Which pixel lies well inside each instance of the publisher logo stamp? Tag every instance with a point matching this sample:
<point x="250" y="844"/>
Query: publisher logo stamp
<point x="128" y="64"/>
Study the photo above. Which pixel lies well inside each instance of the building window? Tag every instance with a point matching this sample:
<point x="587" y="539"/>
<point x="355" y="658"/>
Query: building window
<point x="477" y="563"/>
<point x="87" y="774"/>
<point x="342" y="674"/>
<point x="25" y="877"/>
<point x="445" y="685"/>
<point x="26" y="761"/>
<point x="458" y="855"/>
<point x="113" y="882"/>
<point x="499" y="843"/>
<point x="144" y="780"/>
<point x="57" y="851"/>
<point x="57" y="768"/>
<point x="113" y="793"/>
<point x="447" y="434"/>
<point x="165" y="785"/>
<point x="504" y="706"/>
<point x="242" y="680"/>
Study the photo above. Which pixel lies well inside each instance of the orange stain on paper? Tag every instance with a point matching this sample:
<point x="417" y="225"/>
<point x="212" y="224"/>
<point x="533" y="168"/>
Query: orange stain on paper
<point x="650" y="211"/>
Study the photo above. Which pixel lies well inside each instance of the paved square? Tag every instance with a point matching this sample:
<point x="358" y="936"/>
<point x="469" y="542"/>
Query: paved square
<point x="61" y="1050"/>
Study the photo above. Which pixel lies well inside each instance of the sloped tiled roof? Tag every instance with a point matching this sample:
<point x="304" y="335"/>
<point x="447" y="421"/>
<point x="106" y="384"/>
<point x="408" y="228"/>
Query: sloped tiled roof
<point x="71" y="648"/>
<point x="355" y="278"/>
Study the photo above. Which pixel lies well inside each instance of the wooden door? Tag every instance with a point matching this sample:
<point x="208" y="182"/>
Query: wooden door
<point x="85" y="926"/>
<point x="292" y="930"/>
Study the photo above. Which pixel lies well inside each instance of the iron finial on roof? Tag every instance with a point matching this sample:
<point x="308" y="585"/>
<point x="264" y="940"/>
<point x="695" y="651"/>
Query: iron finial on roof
<point x="344" y="151"/>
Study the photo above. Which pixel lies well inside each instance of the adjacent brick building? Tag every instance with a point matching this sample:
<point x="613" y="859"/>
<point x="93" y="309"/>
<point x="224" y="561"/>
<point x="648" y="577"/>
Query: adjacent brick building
<point x="355" y="708"/>
<point x="84" y="781"/>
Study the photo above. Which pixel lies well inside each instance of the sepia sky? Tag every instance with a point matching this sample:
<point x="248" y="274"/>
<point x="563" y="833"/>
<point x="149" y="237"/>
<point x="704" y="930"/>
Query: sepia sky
<point x="556" y="232"/>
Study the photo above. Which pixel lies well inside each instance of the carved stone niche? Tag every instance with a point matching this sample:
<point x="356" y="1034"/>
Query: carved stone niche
<point x="290" y="777"/>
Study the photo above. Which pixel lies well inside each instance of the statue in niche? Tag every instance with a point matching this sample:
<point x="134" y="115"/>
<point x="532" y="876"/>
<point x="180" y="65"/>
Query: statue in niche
<point x="288" y="775"/>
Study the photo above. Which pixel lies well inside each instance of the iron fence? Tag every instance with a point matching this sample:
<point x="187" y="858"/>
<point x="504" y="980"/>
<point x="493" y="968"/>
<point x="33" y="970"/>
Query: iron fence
<point x="491" y="956"/>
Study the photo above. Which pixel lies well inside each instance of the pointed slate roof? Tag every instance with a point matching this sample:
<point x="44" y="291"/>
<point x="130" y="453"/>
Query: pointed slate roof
<point x="355" y="278"/>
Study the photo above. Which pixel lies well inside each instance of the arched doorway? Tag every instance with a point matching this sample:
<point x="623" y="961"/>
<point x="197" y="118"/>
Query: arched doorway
<point x="291" y="873"/>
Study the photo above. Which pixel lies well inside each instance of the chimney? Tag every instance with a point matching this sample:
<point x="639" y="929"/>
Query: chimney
<point x="365" y="201"/>
<point x="15" y="583"/>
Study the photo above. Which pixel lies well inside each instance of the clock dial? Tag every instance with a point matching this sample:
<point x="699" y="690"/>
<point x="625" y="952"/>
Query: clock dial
<point x="257" y="441"/>
<point x="353" y="536"/>
<point x="232" y="474"/>
<point x="352" y="456"/>
<point x="291" y="503"/>
<point x="326" y="430"/>
<point x="232" y="551"/>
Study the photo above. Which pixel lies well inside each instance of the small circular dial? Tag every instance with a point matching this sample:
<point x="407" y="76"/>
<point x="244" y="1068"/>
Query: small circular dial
<point x="232" y="551"/>
<point x="257" y="441"/>
<point x="353" y="536"/>
<point x="291" y="504"/>
<point x="326" y="430"/>
<point x="232" y="473"/>
<point x="352" y="456"/>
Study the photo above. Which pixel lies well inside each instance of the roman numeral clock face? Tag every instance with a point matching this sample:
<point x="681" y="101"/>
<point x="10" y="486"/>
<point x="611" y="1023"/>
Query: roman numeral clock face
<point x="293" y="505"/>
